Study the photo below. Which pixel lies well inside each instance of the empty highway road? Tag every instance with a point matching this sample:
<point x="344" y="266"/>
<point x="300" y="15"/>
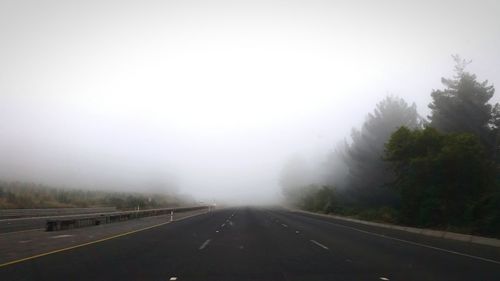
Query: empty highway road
<point x="264" y="244"/>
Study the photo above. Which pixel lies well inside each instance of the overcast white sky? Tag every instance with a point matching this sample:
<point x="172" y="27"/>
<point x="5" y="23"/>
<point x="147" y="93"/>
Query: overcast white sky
<point x="214" y="95"/>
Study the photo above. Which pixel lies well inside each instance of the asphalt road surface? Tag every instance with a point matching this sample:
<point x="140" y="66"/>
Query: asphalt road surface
<point x="263" y="244"/>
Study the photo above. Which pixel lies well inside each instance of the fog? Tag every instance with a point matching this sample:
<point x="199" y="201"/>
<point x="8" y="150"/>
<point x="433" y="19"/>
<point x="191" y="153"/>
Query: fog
<point x="211" y="98"/>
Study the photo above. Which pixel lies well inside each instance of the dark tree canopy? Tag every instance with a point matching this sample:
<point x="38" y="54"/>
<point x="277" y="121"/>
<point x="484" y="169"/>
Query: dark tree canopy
<point x="462" y="107"/>
<point x="439" y="176"/>
<point x="401" y="169"/>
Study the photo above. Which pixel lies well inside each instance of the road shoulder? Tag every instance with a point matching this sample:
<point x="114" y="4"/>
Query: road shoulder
<point x="422" y="231"/>
<point x="19" y="246"/>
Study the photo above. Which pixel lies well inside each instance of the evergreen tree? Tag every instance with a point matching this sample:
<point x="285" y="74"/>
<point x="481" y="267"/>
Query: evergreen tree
<point x="462" y="107"/>
<point x="368" y="173"/>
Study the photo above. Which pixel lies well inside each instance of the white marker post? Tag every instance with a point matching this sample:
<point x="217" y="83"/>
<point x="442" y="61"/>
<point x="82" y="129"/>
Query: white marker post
<point x="172" y="215"/>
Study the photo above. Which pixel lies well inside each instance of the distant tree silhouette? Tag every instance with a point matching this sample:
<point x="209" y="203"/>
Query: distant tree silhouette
<point x="462" y="107"/>
<point x="368" y="173"/>
<point x="295" y="178"/>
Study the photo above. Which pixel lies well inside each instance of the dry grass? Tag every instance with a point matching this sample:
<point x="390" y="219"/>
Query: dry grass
<point x="30" y="195"/>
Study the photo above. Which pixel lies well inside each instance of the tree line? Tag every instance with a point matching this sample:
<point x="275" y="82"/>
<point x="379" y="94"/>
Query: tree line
<point x="442" y="171"/>
<point x="24" y="195"/>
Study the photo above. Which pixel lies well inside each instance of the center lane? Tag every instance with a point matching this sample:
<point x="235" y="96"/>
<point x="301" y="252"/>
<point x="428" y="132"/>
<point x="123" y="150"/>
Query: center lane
<point x="253" y="246"/>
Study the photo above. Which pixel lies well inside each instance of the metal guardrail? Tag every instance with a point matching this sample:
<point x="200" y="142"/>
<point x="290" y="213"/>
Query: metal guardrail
<point x="20" y="213"/>
<point x="84" y="221"/>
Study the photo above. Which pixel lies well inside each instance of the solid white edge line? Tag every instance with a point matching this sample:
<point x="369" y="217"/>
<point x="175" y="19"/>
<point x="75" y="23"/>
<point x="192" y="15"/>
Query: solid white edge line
<point x="414" y="243"/>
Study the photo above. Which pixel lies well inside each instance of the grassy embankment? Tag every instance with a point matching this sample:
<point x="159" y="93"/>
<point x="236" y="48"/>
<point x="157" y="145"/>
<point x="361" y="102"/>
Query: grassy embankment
<point x="29" y="195"/>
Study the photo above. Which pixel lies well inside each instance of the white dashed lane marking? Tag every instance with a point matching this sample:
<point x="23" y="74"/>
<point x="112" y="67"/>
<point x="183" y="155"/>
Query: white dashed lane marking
<point x="204" y="244"/>
<point x="61" y="236"/>
<point x="319" y="244"/>
<point x="415" y="243"/>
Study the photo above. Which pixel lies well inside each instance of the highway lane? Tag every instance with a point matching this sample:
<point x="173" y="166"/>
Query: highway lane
<point x="39" y="222"/>
<point x="23" y="224"/>
<point x="259" y="244"/>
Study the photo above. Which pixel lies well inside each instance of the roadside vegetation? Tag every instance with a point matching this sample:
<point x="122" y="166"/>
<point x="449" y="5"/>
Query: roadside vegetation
<point x="440" y="172"/>
<point x="23" y="195"/>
